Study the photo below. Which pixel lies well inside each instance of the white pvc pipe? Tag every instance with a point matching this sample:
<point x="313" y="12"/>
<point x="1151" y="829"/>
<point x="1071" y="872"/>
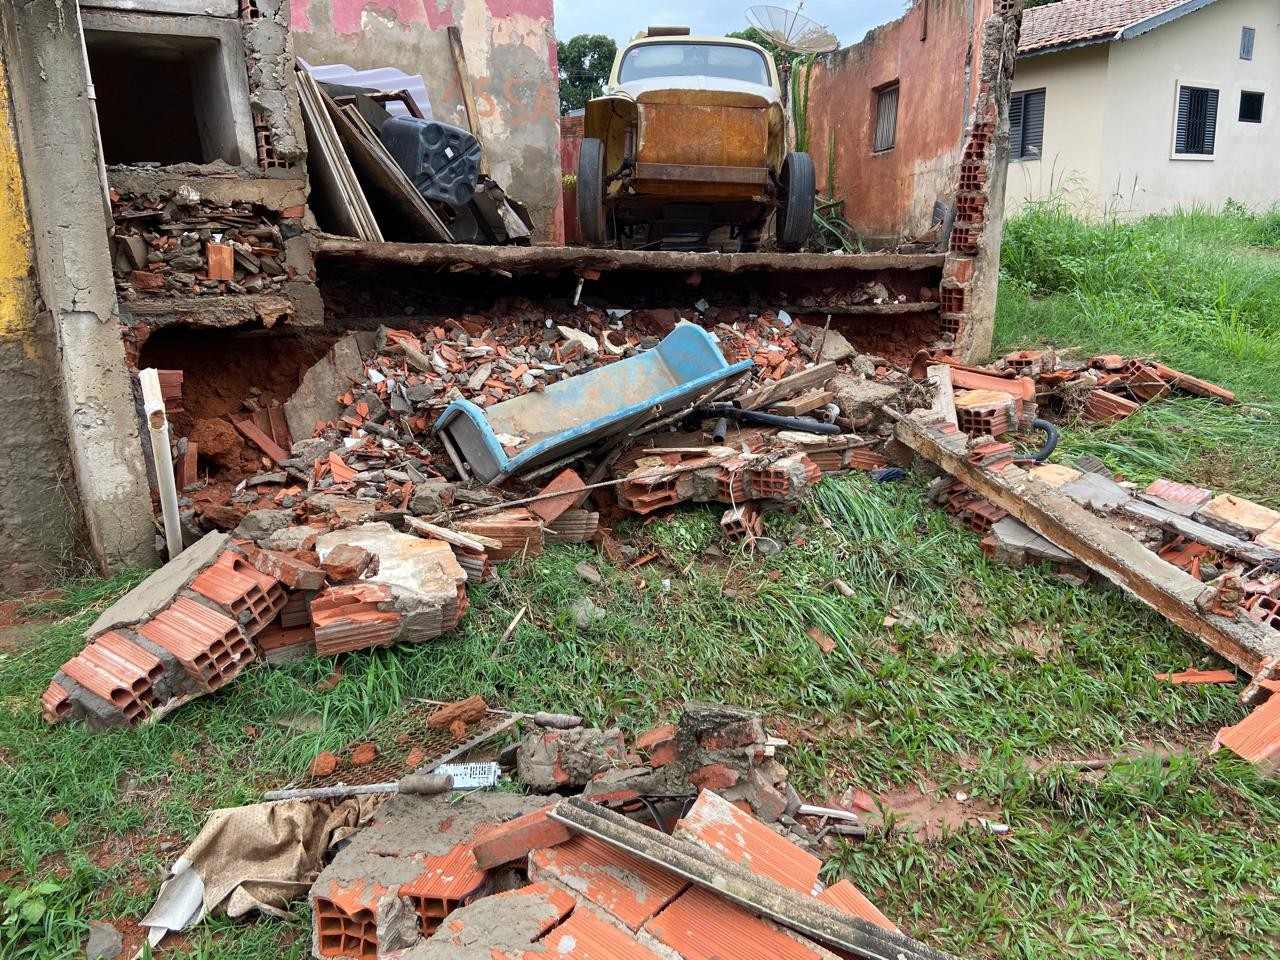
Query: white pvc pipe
<point x="158" y="427"/>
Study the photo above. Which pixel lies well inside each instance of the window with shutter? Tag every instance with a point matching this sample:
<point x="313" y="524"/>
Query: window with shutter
<point x="1197" y="123"/>
<point x="886" y="118"/>
<point x="1246" y="43"/>
<point x="1026" y="124"/>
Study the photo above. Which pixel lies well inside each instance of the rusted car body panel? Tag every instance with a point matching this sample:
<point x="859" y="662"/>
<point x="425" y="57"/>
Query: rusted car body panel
<point x="682" y="147"/>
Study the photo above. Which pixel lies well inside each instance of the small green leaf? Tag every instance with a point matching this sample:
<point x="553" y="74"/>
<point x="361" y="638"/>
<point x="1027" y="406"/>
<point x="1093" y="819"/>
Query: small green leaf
<point x="32" y="911"/>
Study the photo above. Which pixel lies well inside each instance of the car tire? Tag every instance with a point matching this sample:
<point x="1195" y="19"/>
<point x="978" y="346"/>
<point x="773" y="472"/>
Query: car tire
<point x="592" y="225"/>
<point x="794" y="221"/>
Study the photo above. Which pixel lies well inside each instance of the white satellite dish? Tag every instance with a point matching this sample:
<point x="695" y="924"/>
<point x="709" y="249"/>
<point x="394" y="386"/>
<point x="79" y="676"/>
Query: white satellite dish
<point x="790" y="30"/>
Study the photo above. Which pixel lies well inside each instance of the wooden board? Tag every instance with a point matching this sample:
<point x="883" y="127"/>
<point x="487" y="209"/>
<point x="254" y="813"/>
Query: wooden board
<point x="330" y="169"/>
<point x="788" y="386"/>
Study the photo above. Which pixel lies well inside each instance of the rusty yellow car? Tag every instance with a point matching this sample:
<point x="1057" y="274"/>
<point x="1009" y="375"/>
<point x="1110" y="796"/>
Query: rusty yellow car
<point x="686" y="150"/>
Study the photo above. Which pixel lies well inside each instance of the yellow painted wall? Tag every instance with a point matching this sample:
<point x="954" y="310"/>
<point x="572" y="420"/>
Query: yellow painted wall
<point x="17" y="290"/>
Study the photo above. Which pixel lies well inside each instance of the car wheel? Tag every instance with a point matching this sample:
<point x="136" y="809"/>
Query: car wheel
<point x="795" y="211"/>
<point x="591" y="217"/>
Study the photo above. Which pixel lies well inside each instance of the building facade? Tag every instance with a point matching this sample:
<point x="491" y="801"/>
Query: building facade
<point x="1131" y="107"/>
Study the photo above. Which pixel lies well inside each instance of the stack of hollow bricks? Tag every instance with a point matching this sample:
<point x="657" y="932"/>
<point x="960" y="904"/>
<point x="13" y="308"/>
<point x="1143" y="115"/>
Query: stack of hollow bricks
<point x="200" y="640"/>
<point x="656" y="480"/>
<point x="243" y="604"/>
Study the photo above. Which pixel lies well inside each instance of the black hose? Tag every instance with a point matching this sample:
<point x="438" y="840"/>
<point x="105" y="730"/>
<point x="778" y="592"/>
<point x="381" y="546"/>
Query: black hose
<point x="1050" y="440"/>
<point x="725" y="411"/>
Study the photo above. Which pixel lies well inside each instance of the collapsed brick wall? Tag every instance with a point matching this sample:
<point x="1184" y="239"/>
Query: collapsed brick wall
<point x="970" y="276"/>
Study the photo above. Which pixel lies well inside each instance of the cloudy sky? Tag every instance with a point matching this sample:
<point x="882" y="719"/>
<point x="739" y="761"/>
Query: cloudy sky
<point x="847" y="19"/>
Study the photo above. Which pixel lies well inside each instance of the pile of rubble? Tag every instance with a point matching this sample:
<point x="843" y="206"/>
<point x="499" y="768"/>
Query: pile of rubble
<point x="1103" y="389"/>
<point x="182" y="245"/>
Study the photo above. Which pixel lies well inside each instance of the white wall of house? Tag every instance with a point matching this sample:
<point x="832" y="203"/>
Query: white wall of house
<point x="1070" y="163"/>
<point x="1111" y="109"/>
<point x="1201" y="49"/>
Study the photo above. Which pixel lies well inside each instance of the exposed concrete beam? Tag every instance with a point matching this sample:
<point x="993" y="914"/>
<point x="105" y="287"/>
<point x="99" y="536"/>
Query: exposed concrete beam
<point x="456" y="256"/>
<point x="1096" y="543"/>
<point x="59" y="153"/>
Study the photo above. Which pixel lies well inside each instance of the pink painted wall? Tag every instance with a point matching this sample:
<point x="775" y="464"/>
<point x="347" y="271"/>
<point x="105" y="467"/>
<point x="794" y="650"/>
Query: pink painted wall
<point x="510" y="50"/>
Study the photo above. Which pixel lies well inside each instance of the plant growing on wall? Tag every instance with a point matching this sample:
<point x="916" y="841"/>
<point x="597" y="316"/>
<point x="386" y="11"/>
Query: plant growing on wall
<point x="800" y="99"/>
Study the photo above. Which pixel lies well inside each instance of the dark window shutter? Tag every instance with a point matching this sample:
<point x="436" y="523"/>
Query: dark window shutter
<point x="1210" y="120"/>
<point x="1015" y="125"/>
<point x="1033" y="123"/>
<point x="1184" y="112"/>
<point x="886" y="118"/>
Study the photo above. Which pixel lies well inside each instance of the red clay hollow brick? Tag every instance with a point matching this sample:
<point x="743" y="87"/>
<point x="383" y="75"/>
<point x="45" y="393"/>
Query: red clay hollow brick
<point x="514" y="840"/>
<point x="207" y="643"/>
<point x="251" y="596"/>
<point x="120" y="672"/>
<point x="351" y="617"/>
<point x="346" y="920"/>
<point x="55" y="703"/>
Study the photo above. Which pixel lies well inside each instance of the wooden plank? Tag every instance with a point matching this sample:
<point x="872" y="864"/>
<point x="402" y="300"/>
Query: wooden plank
<point x="1199" y="532"/>
<point x="254" y="434"/>
<point x="944" y="401"/>
<point x="866" y="309"/>
<point x="1103" y="548"/>
<point x="330" y="167"/>
<point x="468" y="91"/>
<point x="471" y="542"/>
<point x="788" y="386"/>
<point x="805" y="403"/>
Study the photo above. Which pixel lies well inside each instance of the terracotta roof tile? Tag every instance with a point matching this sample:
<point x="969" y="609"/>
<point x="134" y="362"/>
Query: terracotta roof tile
<point x="618" y="882"/>
<point x="1257" y="736"/>
<point x="720" y="826"/>
<point x="845" y="896"/>
<point x="1073" y="21"/>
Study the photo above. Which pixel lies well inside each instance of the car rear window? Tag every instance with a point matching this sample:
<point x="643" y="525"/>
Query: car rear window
<point x="694" y="60"/>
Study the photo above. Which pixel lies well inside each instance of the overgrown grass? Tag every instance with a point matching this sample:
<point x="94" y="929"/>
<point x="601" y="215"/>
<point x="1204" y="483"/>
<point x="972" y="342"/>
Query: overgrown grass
<point x="982" y="676"/>
<point x="1194" y="289"/>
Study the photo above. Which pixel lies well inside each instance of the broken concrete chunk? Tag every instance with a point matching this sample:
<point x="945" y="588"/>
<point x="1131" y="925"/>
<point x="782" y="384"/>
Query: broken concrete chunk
<point x="584" y="340"/>
<point x="426" y="566"/>
<point x="858" y="398"/>
<point x="1096" y="492"/>
<point x="585" y="612"/>
<point x="105" y="941"/>
<point x="260" y="524"/>
<point x="567" y="758"/>
<point x="316" y="397"/>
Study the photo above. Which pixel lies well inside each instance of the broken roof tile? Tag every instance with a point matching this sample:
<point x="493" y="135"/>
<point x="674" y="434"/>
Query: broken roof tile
<point x="618" y="882"/>
<point x="718" y="825"/>
<point x="845" y="896"/>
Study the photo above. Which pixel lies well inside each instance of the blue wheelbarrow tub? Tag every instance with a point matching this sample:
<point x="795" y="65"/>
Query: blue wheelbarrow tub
<point x="578" y="412"/>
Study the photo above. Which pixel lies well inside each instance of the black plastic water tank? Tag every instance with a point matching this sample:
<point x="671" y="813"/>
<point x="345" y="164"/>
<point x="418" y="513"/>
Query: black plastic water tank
<point x="442" y="160"/>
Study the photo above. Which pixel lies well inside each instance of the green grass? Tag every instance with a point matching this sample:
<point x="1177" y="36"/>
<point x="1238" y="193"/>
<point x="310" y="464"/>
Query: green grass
<point x="988" y="675"/>
<point x="1197" y="290"/>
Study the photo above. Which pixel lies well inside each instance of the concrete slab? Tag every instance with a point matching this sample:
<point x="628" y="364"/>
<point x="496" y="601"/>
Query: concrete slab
<point x="1096" y="492"/>
<point x="154" y="593"/>
<point x="316" y="397"/>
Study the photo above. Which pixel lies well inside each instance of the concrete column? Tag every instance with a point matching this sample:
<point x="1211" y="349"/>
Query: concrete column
<point x="38" y="518"/>
<point x="59" y="157"/>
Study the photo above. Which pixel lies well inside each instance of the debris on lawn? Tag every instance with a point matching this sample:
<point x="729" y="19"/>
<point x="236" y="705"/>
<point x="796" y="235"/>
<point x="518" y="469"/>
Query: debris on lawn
<point x="1209" y="564"/>
<point x="691" y="822"/>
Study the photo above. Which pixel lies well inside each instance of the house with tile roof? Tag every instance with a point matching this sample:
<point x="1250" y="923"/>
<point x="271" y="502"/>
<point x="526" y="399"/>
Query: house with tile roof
<point x="1140" y="106"/>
